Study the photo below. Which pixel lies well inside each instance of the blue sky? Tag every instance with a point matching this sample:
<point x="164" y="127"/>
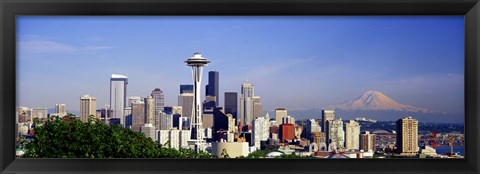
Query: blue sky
<point x="293" y="62"/>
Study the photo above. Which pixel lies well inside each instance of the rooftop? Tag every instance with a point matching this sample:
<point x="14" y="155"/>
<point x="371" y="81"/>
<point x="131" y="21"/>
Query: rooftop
<point x="119" y="76"/>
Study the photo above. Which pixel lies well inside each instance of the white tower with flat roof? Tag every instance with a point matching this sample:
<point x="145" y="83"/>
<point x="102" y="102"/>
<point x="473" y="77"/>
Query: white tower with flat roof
<point x="118" y="96"/>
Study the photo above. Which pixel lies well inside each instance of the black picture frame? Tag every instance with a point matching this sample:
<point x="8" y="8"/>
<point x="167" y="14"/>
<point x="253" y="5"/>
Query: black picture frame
<point x="9" y="9"/>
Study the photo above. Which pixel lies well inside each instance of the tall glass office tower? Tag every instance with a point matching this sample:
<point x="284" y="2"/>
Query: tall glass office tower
<point x="118" y="96"/>
<point x="157" y="94"/>
<point x="246" y="103"/>
<point x="212" y="87"/>
<point x="230" y="104"/>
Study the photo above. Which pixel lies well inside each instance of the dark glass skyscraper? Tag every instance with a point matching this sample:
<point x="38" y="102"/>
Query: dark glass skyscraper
<point x="186" y="89"/>
<point x="231" y="105"/>
<point x="212" y="87"/>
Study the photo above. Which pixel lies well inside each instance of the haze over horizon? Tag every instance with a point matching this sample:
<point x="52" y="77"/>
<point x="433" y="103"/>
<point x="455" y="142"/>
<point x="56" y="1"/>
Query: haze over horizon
<point x="293" y="62"/>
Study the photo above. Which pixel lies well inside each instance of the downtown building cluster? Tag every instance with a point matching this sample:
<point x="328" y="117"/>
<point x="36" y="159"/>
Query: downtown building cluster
<point x="236" y="129"/>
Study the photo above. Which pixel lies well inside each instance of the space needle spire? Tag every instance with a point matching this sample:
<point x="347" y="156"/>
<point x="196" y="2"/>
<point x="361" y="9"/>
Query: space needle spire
<point x="196" y="62"/>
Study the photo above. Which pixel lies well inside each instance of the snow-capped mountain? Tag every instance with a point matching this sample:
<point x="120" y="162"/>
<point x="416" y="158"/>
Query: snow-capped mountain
<point x="377" y="101"/>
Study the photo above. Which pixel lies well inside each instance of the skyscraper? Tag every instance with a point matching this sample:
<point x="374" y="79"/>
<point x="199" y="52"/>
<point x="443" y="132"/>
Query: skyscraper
<point x="133" y="99"/>
<point x="128" y="117"/>
<point x="352" y="135"/>
<point x="104" y="114"/>
<point x="149" y="131"/>
<point x="185" y="100"/>
<point x="286" y="132"/>
<point x="257" y="107"/>
<point x="159" y="98"/>
<point x="246" y="104"/>
<point x="150" y="110"/>
<point x="40" y="113"/>
<point x="197" y="62"/>
<point x="24" y="114"/>
<point x="367" y="142"/>
<point x="260" y="131"/>
<point x="335" y="135"/>
<point x="209" y="103"/>
<point x="223" y="123"/>
<point x="212" y="86"/>
<point x="231" y="106"/>
<point x="118" y="96"/>
<point x="177" y="113"/>
<point x="138" y="115"/>
<point x="288" y="120"/>
<point x="407" y="136"/>
<point x="327" y="115"/>
<point x="166" y="118"/>
<point x="312" y="127"/>
<point x="88" y="106"/>
<point x="279" y="114"/>
<point x="61" y="109"/>
<point x="186" y="89"/>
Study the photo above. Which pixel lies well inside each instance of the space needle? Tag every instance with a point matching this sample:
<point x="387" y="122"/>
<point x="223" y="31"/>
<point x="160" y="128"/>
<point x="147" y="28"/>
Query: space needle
<point x="196" y="62"/>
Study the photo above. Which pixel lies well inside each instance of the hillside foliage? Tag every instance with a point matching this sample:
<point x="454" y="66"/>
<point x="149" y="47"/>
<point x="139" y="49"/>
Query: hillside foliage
<point x="70" y="138"/>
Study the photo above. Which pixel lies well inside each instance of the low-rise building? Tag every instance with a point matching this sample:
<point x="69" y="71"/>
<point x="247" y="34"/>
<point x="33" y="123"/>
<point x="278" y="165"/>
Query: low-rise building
<point x="230" y="149"/>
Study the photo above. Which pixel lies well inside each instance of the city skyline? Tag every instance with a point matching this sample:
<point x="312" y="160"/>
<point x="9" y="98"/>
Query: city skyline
<point x="435" y="79"/>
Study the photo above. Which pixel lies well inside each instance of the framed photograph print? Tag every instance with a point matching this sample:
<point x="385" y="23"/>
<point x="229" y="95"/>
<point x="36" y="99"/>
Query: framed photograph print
<point x="256" y="86"/>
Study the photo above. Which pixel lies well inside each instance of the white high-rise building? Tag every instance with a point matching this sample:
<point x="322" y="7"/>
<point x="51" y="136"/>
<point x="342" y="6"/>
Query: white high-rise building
<point x="184" y="137"/>
<point x="174" y="138"/>
<point x="41" y="112"/>
<point x="61" y="109"/>
<point x="336" y="135"/>
<point x="352" y="135"/>
<point x="88" y="106"/>
<point x="314" y="126"/>
<point x="247" y="104"/>
<point x="260" y="131"/>
<point x="118" y="96"/>
<point x="163" y="136"/>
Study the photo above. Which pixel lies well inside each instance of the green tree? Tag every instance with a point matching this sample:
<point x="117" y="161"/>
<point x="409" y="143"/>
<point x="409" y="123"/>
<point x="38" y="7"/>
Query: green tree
<point x="70" y="138"/>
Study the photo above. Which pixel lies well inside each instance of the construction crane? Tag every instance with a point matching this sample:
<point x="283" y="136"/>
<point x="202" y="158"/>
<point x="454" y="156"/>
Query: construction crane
<point x="433" y="142"/>
<point x="317" y="136"/>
